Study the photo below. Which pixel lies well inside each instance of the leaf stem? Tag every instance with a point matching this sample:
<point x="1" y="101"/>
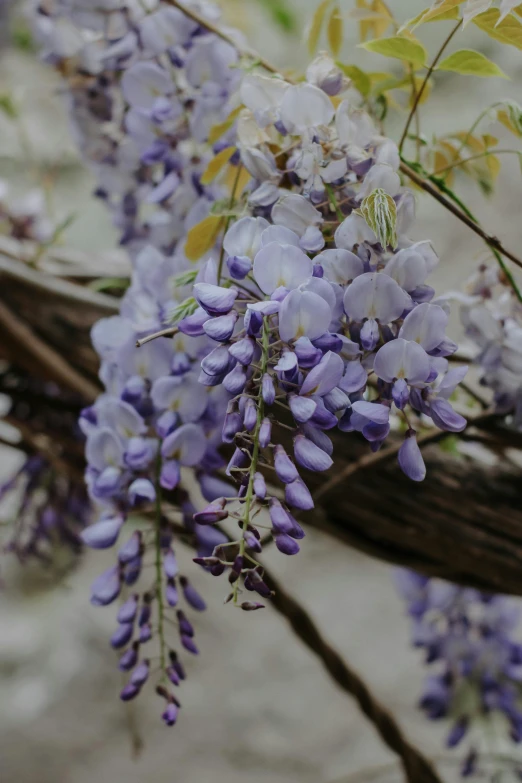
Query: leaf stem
<point x="420" y="93"/>
<point x="227" y="222"/>
<point x="333" y="201"/>
<point x="475" y="157"/>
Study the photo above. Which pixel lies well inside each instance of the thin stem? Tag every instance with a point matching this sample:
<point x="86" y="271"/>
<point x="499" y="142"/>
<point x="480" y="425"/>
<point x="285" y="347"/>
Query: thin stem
<point x="479" y="155"/>
<point x="475" y="124"/>
<point x="420" y="93"/>
<point x="229" y="218"/>
<point x="416" y="114"/>
<point x="492" y="241"/>
<point x="201" y="20"/>
<point x="159" y="576"/>
<point x="333" y="201"/>
<point x="170" y="332"/>
<point x="249" y="497"/>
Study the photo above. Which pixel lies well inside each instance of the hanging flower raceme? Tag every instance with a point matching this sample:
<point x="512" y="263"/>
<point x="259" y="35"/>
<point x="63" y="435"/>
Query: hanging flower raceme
<point x="470" y="645"/>
<point x="312" y="313"/>
<point x="492" y="317"/>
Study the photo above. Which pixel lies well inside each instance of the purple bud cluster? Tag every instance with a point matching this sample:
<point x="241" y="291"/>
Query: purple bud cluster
<point x="470" y="643"/>
<point x="492" y="317"/>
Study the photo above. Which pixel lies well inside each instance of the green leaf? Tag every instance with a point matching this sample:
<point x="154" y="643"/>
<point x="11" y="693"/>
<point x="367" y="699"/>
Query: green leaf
<point x="510" y="115"/>
<point x="470" y="63"/>
<point x="508" y="31"/>
<point x="185" y="278"/>
<point x="361" y="81"/>
<point x="281" y="14"/>
<point x="380" y="212"/>
<point x="7" y="106"/>
<point x="183" y="310"/>
<point x="316" y="25"/>
<point x="399" y="47"/>
<point x="335" y="31"/>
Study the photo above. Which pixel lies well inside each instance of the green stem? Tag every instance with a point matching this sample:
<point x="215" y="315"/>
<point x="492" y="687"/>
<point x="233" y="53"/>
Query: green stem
<point x="255" y="454"/>
<point x="333" y="201"/>
<point x="420" y="93"/>
<point x="227" y="222"/>
<point x="158" y="564"/>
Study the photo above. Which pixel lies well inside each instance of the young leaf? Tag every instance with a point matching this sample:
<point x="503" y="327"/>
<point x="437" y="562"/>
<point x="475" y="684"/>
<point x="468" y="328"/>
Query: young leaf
<point x="221" y="128"/>
<point x="470" y="63"/>
<point x="335" y="31"/>
<point x="508" y="31"/>
<point x="216" y="165"/>
<point x="473" y="8"/>
<point x="399" y="47"/>
<point x="202" y="237"/>
<point x="316" y="25"/>
<point x="360" y="80"/>
<point x="183" y="310"/>
<point x="380" y="212"/>
<point x="447" y="9"/>
<point x="511" y="117"/>
<point x="383" y="20"/>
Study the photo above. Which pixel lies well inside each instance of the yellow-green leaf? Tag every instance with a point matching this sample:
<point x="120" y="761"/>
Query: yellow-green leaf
<point x="216" y="165"/>
<point x="447" y="9"/>
<point x="335" y="31"/>
<point x="508" y="31"/>
<point x="399" y="47"/>
<point x="202" y="237"/>
<point x="360" y="80"/>
<point x="218" y="130"/>
<point x="470" y="63"/>
<point x="316" y="25"/>
<point x="511" y="116"/>
<point x="380" y="213"/>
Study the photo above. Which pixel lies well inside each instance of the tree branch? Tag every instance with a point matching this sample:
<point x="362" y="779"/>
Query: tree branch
<point x="32" y="354"/>
<point x="417" y="768"/>
<point x="428" y="187"/>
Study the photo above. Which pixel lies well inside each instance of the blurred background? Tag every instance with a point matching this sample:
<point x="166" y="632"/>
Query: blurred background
<point x="258" y="706"/>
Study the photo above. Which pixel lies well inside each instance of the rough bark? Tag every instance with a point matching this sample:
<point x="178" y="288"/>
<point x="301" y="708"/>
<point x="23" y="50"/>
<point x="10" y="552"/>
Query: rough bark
<point x="463" y="523"/>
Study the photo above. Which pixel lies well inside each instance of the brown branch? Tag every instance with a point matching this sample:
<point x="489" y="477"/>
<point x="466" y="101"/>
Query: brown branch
<point x="44" y="283"/>
<point x="417" y="768"/>
<point x="33" y="354"/>
<point x="371" y="459"/>
<point x="169" y="332"/>
<point x="428" y="187"/>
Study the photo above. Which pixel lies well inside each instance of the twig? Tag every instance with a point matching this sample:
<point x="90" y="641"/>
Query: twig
<point x="170" y="332"/>
<point x="417" y="768"/>
<point x="420" y="93"/>
<point x="208" y="25"/>
<point x="32" y="352"/>
<point x="426" y="185"/>
<point x="370" y="459"/>
<point x="55" y="286"/>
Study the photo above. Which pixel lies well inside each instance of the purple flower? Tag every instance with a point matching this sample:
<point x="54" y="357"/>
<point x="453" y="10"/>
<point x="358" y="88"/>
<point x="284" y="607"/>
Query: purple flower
<point x="102" y="534"/>
<point x="214" y="299"/>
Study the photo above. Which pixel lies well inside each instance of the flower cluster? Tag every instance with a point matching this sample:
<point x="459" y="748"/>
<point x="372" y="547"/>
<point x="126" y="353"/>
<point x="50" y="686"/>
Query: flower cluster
<point x="492" y="317"/>
<point x="320" y="323"/>
<point x="145" y="89"/>
<point x="469" y="640"/>
<point x="311" y="314"/>
<point x="25" y="217"/>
